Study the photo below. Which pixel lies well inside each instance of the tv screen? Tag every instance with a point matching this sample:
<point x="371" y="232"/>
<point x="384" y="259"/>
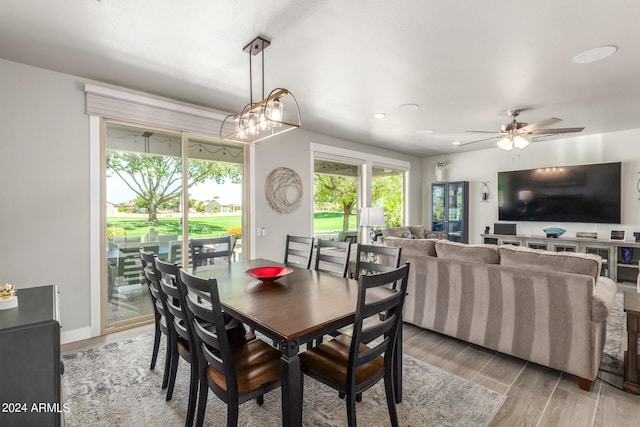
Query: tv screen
<point x="586" y="193"/>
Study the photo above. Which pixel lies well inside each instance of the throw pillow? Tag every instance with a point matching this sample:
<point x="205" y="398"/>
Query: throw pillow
<point x="486" y="254"/>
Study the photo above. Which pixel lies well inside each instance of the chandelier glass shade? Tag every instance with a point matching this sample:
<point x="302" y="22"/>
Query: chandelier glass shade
<point x="265" y="118"/>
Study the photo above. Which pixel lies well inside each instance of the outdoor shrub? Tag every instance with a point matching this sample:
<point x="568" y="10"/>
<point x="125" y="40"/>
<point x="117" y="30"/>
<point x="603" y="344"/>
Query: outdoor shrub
<point x="116" y="232"/>
<point x="235" y="231"/>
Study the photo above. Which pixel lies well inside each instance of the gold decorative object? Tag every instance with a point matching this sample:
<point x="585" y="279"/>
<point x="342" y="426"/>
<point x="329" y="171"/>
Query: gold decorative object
<point x="8" y="298"/>
<point x="7" y="291"/>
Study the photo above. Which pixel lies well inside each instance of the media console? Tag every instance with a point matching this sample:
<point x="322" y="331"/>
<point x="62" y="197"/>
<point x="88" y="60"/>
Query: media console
<point x="611" y="252"/>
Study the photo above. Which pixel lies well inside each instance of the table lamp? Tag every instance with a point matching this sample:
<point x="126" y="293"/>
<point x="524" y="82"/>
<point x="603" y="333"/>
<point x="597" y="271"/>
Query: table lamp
<point x="371" y="217"/>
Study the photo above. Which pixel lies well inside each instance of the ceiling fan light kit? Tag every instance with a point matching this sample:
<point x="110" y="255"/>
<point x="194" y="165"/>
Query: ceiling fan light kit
<point x="513" y="135"/>
<point x="265" y="118"/>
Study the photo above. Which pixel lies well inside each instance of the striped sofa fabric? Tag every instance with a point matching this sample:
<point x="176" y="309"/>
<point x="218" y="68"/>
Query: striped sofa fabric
<point x="545" y="307"/>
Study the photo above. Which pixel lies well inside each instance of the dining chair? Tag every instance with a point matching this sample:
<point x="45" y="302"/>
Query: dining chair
<point x="158" y="303"/>
<point x="181" y="344"/>
<point x="235" y="373"/>
<point x="352" y="365"/>
<point x="298" y="251"/>
<point x="333" y="257"/>
<point x="373" y="259"/>
<point x="205" y="251"/>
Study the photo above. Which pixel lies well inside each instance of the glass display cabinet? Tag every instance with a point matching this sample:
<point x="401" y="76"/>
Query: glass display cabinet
<point x="449" y="202"/>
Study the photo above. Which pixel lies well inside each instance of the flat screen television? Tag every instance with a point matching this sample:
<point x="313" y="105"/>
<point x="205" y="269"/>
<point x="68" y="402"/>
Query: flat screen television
<point x="585" y="193"/>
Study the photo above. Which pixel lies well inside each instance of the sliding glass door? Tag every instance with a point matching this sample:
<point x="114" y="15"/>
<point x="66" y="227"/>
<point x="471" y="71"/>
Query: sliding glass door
<point x="215" y="198"/>
<point x="145" y="207"/>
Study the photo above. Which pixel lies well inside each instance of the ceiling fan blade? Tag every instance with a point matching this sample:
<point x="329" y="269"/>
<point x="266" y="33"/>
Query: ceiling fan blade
<point x="479" y="140"/>
<point x="552" y="131"/>
<point x="481" y="131"/>
<point x="540" y="124"/>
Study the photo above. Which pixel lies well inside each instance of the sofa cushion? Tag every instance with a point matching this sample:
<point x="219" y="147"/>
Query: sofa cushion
<point x="566" y="262"/>
<point x="415" y="247"/>
<point x="418" y="231"/>
<point x="486" y="254"/>
<point x="396" y="232"/>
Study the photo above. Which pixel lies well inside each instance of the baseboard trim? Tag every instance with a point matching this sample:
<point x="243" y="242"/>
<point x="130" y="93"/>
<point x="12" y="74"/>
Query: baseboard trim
<point x="75" y="335"/>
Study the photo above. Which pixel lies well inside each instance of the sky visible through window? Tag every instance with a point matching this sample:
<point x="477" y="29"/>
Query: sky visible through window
<point x="228" y="193"/>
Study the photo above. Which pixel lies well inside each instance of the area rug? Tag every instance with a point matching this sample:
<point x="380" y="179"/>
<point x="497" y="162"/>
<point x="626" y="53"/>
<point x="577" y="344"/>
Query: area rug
<point x="111" y="385"/>
<point x="615" y="345"/>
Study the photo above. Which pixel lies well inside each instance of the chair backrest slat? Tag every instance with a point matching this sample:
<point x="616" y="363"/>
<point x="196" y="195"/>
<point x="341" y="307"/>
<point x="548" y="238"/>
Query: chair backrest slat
<point x="298" y="251"/>
<point x="167" y="276"/>
<point x="381" y="336"/>
<point x="158" y="298"/>
<point x="333" y="257"/>
<point x="373" y="259"/>
<point x="205" y="312"/>
<point x="206" y="250"/>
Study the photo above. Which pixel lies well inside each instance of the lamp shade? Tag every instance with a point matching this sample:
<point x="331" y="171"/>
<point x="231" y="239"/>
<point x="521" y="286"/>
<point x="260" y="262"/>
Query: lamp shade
<point x="371" y="216"/>
<point x="520" y="142"/>
<point x="506" y="144"/>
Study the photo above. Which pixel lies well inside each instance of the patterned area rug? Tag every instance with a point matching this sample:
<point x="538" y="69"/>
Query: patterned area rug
<point x="112" y="385"/>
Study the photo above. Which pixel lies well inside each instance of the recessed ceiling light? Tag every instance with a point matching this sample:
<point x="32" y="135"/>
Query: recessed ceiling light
<point x="456" y="142"/>
<point x="595" y="54"/>
<point x="425" y="131"/>
<point x="407" y="108"/>
<point x="379" y="116"/>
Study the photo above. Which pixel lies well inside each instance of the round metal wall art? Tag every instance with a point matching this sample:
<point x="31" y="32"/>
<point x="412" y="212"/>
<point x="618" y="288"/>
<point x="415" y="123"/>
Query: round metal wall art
<point x="283" y="190"/>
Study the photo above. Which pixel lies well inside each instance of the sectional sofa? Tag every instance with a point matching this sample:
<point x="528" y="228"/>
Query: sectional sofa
<point x="545" y="307"/>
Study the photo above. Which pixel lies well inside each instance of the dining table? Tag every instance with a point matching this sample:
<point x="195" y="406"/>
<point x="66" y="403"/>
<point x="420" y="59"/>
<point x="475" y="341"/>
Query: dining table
<point x="293" y="310"/>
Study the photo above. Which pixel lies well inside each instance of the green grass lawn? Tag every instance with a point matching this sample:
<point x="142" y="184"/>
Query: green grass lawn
<point x="331" y="221"/>
<point x="213" y="225"/>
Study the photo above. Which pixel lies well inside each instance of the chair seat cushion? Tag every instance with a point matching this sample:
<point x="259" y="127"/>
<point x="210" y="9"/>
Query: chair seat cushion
<point x="183" y="349"/>
<point x="329" y="360"/>
<point x="257" y="365"/>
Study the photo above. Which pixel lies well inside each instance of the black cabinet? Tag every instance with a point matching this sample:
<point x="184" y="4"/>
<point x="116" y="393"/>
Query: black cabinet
<point x="30" y="369"/>
<point x="449" y="202"/>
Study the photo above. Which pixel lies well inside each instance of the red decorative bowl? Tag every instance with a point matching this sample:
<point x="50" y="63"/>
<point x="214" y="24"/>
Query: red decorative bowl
<point x="269" y="274"/>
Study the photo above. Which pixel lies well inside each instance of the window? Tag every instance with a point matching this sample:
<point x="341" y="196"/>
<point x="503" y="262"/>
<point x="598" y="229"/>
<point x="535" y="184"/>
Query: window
<point x="344" y="181"/>
<point x="387" y="191"/>
<point x="336" y="193"/>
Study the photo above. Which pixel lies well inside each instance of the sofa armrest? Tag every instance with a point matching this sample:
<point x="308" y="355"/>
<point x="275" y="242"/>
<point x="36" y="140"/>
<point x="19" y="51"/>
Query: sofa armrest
<point x="604" y="293"/>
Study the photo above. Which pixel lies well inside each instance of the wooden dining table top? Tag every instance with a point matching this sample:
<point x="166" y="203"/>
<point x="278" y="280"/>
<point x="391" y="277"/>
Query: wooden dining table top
<point x="294" y="307"/>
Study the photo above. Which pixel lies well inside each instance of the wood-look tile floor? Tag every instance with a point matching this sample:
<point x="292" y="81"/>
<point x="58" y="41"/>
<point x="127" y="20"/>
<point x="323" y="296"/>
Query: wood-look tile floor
<point x="536" y="395"/>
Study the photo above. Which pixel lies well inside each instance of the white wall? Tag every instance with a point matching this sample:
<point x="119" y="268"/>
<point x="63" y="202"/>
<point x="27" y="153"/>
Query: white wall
<point x="483" y="165"/>
<point x="44" y="196"/>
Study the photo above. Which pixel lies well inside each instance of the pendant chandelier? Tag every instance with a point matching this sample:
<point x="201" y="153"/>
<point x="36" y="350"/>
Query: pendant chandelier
<point x="272" y="115"/>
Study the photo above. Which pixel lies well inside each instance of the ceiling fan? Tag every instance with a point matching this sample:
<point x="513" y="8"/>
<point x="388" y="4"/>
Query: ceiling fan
<point x="513" y="135"/>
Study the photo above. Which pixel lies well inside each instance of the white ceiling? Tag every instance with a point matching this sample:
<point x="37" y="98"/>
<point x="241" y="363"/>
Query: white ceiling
<point x="464" y="62"/>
